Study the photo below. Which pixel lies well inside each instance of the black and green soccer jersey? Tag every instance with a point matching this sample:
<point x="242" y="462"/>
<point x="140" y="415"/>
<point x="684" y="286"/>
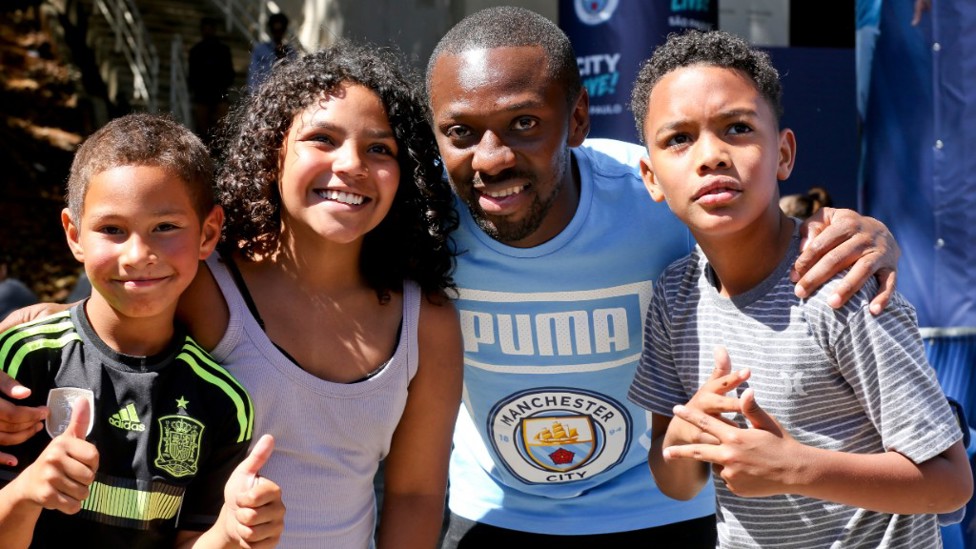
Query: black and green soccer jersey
<point x="169" y="430"/>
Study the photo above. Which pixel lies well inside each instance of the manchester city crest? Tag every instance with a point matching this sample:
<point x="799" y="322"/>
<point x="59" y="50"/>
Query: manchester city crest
<point x="594" y="12"/>
<point x="179" y="445"/>
<point x="556" y="435"/>
<point x="561" y="444"/>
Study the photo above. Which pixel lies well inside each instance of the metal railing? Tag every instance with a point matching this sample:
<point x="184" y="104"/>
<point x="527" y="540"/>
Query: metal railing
<point x="179" y="91"/>
<point x="247" y="17"/>
<point x="132" y="39"/>
<point x="250" y="17"/>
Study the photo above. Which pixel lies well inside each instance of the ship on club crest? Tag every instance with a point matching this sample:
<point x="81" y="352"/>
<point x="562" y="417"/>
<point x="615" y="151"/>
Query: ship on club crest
<point x="559" y="444"/>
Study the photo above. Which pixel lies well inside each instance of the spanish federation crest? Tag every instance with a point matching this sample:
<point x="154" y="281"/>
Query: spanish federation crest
<point x="179" y="444"/>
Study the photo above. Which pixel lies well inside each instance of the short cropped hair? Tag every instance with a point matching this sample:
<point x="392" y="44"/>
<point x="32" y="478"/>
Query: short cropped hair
<point x="713" y="48"/>
<point x="143" y="140"/>
<point x="508" y="26"/>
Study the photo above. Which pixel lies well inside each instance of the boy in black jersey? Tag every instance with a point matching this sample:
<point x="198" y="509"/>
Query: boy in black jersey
<point x="168" y="427"/>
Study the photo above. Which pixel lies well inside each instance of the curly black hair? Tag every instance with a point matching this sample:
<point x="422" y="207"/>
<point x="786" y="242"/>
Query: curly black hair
<point x="413" y="240"/>
<point x="712" y="48"/>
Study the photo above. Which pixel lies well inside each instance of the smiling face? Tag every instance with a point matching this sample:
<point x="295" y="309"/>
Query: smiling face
<point x="715" y="151"/>
<point x="338" y="168"/>
<point x="141" y="240"/>
<point x="504" y="129"/>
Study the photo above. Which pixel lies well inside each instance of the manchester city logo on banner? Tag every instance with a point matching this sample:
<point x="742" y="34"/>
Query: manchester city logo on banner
<point x="556" y="435"/>
<point x="594" y="12"/>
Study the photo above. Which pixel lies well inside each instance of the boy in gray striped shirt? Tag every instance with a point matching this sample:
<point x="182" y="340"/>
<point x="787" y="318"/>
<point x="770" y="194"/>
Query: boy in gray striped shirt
<point x="837" y="434"/>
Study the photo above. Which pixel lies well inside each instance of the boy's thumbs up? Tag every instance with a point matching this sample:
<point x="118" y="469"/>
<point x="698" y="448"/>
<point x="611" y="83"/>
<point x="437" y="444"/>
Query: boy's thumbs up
<point x="247" y="472"/>
<point x="80" y="417"/>
<point x="255" y="513"/>
<point x="259" y="455"/>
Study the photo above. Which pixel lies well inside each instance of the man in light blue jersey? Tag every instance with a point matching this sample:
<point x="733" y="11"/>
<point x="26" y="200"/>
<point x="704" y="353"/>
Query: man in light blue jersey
<point x="559" y="245"/>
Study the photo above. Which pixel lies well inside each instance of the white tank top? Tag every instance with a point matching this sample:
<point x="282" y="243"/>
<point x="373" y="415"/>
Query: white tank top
<point x="329" y="437"/>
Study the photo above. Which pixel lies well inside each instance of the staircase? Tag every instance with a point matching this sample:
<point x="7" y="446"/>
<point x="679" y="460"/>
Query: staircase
<point x="163" y="21"/>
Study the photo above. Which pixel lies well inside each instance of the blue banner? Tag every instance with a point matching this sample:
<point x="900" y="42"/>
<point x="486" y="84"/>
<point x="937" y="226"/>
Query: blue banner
<point x="919" y="170"/>
<point x="919" y="177"/>
<point x="612" y="38"/>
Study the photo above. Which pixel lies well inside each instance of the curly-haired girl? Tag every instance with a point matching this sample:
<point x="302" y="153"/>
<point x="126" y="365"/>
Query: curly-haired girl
<point x="335" y="271"/>
<point x="410" y="242"/>
<point x="329" y="300"/>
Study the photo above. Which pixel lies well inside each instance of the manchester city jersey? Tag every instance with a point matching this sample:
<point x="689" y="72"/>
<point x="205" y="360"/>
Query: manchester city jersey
<point x="546" y="440"/>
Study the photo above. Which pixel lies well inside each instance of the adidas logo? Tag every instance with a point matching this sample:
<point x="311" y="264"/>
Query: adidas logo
<point x="127" y="419"/>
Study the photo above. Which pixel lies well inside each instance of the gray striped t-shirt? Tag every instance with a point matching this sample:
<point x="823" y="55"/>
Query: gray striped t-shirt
<point x="842" y="380"/>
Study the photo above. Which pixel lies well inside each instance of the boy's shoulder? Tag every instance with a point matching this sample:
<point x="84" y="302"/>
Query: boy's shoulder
<point x="817" y="301"/>
<point x="816" y="306"/>
<point x="206" y="367"/>
<point x="50" y="332"/>
<point x="225" y="389"/>
<point x="690" y="264"/>
<point x="682" y="274"/>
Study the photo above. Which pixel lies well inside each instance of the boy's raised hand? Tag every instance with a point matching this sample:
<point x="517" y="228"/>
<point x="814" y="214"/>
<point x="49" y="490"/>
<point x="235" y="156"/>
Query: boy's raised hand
<point x="60" y="477"/>
<point x="753" y="462"/>
<point x="711" y="399"/>
<point x="253" y="515"/>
